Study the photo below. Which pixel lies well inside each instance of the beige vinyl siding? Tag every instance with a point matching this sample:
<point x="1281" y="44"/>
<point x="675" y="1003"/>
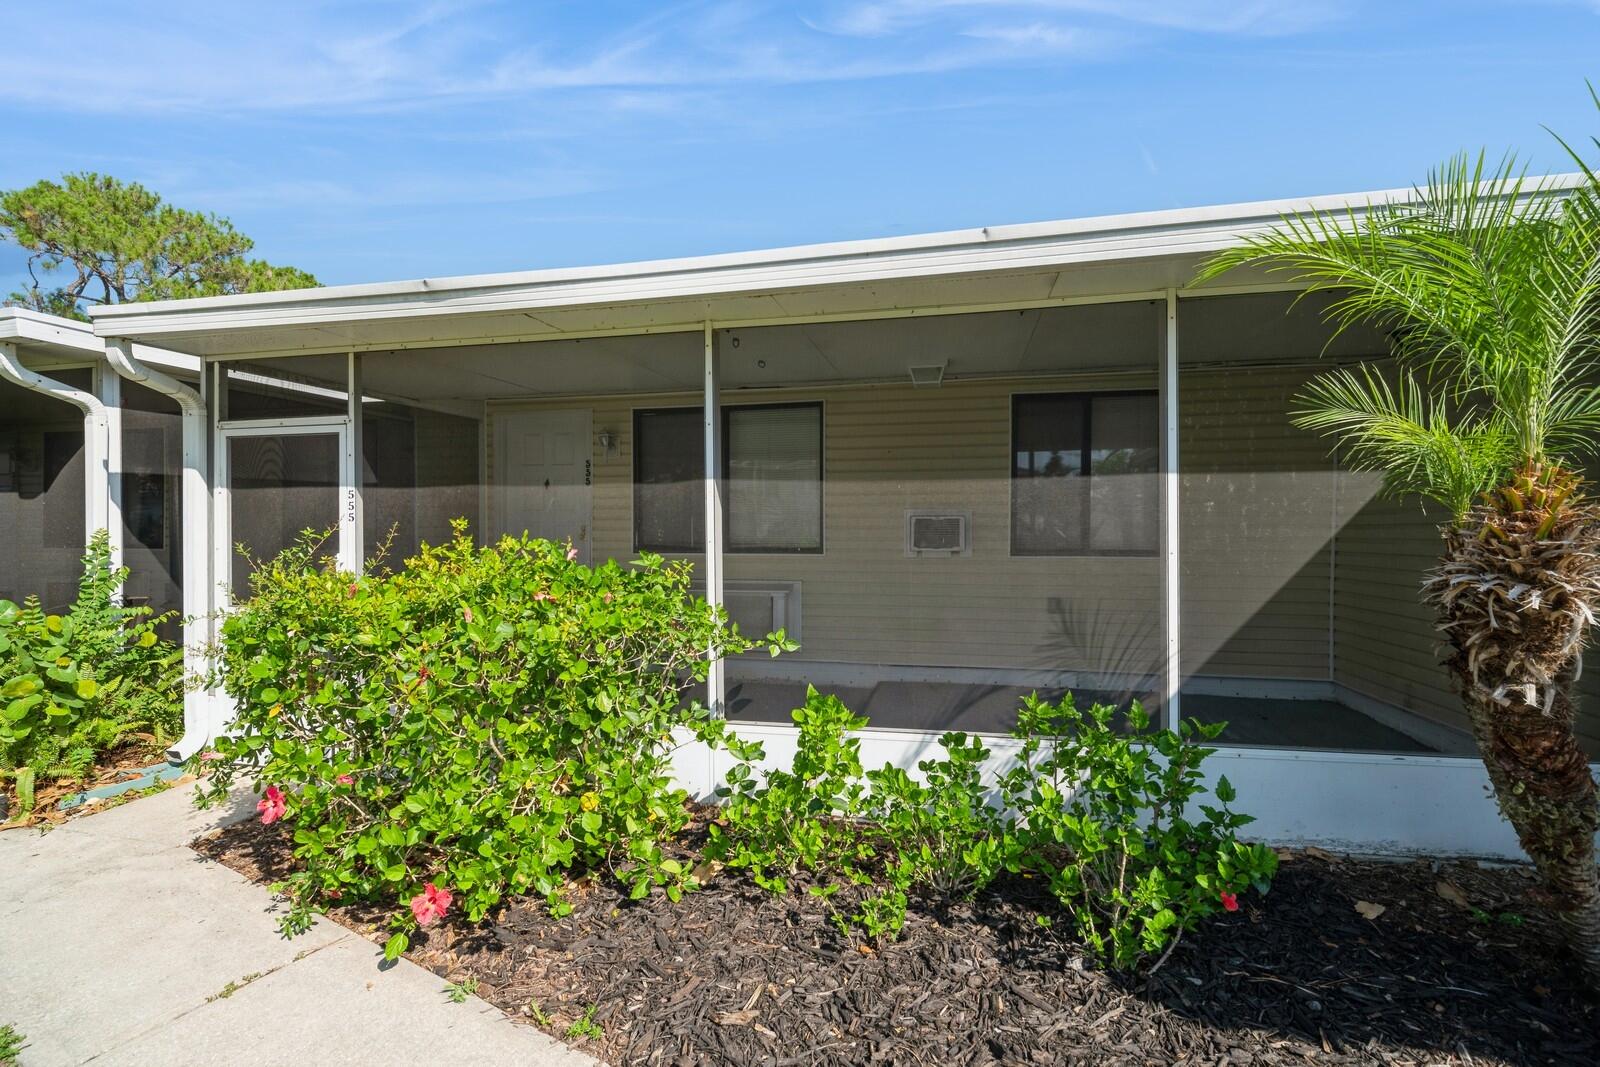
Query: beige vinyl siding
<point x="889" y="449"/>
<point x="1255" y="595"/>
<point x="446" y="473"/>
<point x="1257" y="518"/>
<point x="1261" y="503"/>
<point x="1385" y="642"/>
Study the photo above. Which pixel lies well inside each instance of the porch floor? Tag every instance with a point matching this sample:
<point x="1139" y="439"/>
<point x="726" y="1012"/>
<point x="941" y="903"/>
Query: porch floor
<point x="938" y="706"/>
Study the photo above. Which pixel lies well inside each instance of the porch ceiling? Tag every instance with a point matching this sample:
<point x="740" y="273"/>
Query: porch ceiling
<point x="1112" y="338"/>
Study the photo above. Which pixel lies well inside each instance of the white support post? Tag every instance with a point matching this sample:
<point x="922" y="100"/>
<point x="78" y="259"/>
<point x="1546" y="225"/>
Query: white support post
<point x="716" y="679"/>
<point x="216" y="376"/>
<point x="195" y="577"/>
<point x="352" y="525"/>
<point x="1172" y="621"/>
<point x="108" y="388"/>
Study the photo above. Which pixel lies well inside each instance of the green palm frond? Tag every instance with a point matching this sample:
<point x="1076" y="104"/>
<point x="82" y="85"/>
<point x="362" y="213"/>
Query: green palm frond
<point x="1488" y="284"/>
<point x="1412" y="439"/>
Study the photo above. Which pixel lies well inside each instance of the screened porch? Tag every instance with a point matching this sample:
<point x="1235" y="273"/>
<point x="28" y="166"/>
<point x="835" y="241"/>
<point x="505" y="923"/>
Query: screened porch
<point x="946" y="512"/>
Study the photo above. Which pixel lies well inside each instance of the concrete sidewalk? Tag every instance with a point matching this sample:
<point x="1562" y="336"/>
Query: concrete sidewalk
<point x="116" y="941"/>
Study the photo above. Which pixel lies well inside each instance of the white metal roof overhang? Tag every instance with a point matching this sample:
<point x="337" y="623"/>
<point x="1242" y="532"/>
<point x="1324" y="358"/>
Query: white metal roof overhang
<point x="46" y="341"/>
<point x="1036" y="262"/>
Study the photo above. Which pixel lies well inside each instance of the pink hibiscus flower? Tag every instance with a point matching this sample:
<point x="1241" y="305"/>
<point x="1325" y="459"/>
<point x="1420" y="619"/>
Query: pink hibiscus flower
<point x="272" y="806"/>
<point x="430" y="904"/>
<point x="345" y="779"/>
<point x="572" y="553"/>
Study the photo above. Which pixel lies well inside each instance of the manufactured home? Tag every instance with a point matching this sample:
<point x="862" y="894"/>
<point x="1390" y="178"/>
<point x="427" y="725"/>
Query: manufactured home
<point x="955" y="468"/>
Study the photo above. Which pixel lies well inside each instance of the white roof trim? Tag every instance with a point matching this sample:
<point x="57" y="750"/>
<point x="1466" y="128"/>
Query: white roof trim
<point x="64" y="335"/>
<point x="69" y="338"/>
<point x="1023" y="247"/>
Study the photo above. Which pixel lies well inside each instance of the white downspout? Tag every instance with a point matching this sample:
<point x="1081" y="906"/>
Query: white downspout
<point x="197" y="701"/>
<point x="96" y="436"/>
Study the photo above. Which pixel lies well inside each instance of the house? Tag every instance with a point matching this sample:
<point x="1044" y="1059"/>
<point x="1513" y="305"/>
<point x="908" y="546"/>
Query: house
<point x="956" y="467"/>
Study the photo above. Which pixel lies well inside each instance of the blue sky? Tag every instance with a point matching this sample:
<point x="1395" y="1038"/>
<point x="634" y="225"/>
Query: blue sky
<point x="378" y="140"/>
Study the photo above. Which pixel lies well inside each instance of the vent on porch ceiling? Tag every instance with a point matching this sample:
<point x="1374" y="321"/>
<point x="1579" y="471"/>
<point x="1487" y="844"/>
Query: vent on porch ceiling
<point x="938" y="533"/>
<point x="927" y="377"/>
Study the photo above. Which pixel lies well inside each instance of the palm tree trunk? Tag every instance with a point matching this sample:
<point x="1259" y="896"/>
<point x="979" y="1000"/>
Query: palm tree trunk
<point x="1541" y="781"/>
<point x="1516" y="596"/>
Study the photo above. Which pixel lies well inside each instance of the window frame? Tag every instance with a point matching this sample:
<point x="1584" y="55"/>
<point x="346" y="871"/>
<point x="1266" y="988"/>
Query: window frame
<point x="1086" y="397"/>
<point x="724" y="416"/>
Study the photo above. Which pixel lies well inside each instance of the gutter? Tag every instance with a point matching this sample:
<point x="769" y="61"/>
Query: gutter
<point x="196" y="572"/>
<point x="96" y="434"/>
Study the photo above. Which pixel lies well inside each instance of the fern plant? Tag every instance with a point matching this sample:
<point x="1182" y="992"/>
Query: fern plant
<point x="75" y="685"/>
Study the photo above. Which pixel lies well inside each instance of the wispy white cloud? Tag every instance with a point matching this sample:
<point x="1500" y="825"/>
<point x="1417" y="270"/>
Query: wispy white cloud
<point x="1035" y="36"/>
<point x="1258" y="17"/>
<point x="314" y="58"/>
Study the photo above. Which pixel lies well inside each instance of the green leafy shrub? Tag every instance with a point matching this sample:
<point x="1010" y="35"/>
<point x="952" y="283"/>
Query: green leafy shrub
<point x="942" y="828"/>
<point x="882" y="834"/>
<point x="1111" y="819"/>
<point x="801" y="819"/>
<point x="1107" y="816"/>
<point x="483" y="722"/>
<point x="74" y="685"/>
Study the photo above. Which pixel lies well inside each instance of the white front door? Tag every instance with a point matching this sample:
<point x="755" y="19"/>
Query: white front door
<point x="545" y="466"/>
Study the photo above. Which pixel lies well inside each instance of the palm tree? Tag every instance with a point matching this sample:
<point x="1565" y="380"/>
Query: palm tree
<point x="1488" y="284"/>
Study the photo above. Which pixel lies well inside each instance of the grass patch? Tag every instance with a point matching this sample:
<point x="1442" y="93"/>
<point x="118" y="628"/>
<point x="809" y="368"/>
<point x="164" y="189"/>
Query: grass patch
<point x="233" y="987"/>
<point x="11" y="1045"/>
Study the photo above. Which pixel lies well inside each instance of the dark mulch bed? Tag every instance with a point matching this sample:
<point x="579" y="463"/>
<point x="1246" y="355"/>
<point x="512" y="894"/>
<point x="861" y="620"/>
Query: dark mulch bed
<point x="1445" y="974"/>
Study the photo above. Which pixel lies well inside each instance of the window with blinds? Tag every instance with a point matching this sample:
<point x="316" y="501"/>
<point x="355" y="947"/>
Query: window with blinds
<point x="772" y="473"/>
<point x="1084" y="474"/>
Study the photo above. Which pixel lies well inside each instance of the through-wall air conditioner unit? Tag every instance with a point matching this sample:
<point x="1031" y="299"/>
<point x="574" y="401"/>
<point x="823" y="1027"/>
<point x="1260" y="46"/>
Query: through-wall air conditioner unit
<point x="938" y="533"/>
<point x="760" y="605"/>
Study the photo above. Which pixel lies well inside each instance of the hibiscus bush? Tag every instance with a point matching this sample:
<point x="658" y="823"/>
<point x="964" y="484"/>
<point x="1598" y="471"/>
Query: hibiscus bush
<point x="484" y="721"/>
